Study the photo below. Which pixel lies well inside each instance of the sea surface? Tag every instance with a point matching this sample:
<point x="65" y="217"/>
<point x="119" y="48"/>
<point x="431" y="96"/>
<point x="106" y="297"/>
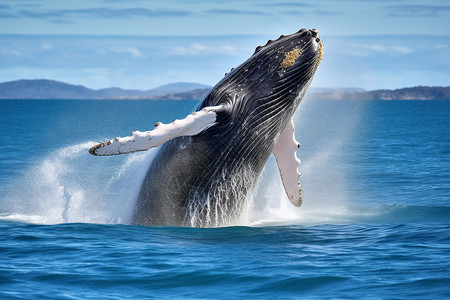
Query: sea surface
<point x="375" y="223"/>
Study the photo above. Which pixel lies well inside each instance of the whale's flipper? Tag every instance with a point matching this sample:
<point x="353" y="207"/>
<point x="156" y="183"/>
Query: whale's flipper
<point x="141" y="141"/>
<point x="287" y="161"/>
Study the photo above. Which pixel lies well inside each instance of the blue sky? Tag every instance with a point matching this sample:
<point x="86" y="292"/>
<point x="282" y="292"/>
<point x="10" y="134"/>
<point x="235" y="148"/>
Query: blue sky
<point x="142" y="44"/>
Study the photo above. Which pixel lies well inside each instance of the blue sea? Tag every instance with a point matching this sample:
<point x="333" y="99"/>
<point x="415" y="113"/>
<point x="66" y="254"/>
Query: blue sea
<point x="375" y="223"/>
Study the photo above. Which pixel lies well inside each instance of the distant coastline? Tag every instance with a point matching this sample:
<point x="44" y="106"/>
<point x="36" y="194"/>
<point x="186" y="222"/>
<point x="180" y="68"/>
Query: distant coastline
<point x="51" y="89"/>
<point x="408" y="93"/>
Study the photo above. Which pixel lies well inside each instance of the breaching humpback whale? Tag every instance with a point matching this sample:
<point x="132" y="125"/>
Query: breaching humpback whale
<point x="210" y="161"/>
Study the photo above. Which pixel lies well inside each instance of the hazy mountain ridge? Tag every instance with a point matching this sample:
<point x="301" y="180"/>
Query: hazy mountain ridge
<point x="418" y="92"/>
<point x="50" y="89"/>
<point x="409" y="93"/>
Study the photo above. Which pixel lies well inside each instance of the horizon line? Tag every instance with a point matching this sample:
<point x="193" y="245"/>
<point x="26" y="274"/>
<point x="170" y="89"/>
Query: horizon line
<point x="210" y="86"/>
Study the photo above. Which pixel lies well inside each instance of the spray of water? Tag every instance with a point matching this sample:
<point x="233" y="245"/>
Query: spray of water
<point x="223" y="205"/>
<point x="70" y="185"/>
<point x="324" y="183"/>
<point x="272" y="207"/>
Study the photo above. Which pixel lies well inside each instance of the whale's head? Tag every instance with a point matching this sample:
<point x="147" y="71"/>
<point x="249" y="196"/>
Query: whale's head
<point x="278" y="74"/>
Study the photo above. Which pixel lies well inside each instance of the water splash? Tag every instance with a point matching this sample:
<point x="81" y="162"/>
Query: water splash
<point x="272" y="207"/>
<point x="70" y="186"/>
<point x="223" y="205"/>
<point x="324" y="180"/>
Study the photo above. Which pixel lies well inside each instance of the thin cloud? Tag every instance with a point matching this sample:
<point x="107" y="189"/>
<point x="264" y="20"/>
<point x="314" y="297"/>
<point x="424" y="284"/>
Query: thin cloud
<point x="9" y="51"/>
<point x="201" y="49"/>
<point x="7" y="15"/>
<point x="30" y="5"/>
<point x="416" y="10"/>
<point x="122" y="1"/>
<point x="381" y="48"/>
<point x="6" y="12"/>
<point x="39" y="14"/>
<point x="219" y="11"/>
<point x="321" y="12"/>
<point x="105" y="13"/>
<point x="401" y="49"/>
<point x="46" y="46"/>
<point x="372" y="1"/>
<point x="59" y="21"/>
<point x="132" y="51"/>
<point x="293" y="12"/>
<point x="289" y="4"/>
<point x="128" y="12"/>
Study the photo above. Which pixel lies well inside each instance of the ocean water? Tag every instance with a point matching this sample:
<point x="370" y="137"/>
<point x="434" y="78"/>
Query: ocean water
<point x="375" y="223"/>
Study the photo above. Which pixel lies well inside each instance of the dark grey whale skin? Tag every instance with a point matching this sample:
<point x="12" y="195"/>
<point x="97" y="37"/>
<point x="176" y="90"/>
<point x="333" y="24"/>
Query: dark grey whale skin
<point x="204" y="180"/>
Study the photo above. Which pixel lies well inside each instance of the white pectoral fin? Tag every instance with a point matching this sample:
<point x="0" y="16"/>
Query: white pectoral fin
<point x="287" y="161"/>
<point x="141" y="141"/>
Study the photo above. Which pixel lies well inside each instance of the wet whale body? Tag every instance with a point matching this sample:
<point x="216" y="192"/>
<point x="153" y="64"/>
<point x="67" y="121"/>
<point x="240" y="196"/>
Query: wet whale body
<point x="209" y="162"/>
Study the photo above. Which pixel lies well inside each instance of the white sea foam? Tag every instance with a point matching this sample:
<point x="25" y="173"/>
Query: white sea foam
<point x="70" y="186"/>
<point x="22" y="218"/>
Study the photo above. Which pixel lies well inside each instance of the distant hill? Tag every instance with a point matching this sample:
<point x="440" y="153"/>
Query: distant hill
<point x="338" y="90"/>
<point x="410" y="93"/>
<point x="418" y="93"/>
<point x="196" y="94"/>
<point x="44" y="89"/>
<point x="175" y="88"/>
<point x="50" y="89"/>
